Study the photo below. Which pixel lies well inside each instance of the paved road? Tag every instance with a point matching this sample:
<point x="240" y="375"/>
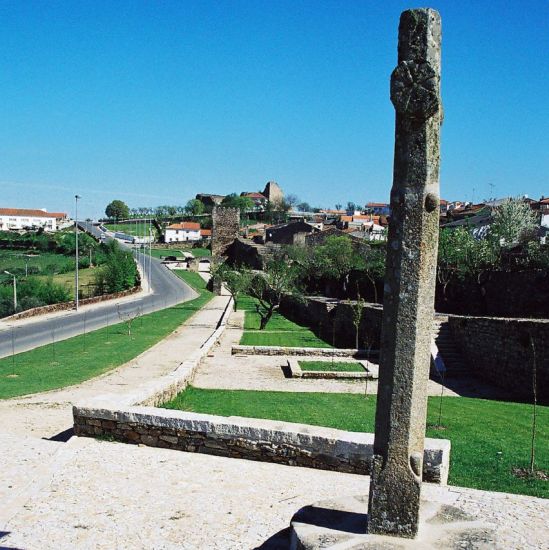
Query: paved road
<point x="166" y="289"/>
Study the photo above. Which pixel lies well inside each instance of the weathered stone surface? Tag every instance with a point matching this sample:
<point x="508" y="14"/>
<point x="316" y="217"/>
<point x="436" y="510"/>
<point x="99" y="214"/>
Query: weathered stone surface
<point x="409" y="279"/>
<point x="342" y="522"/>
<point x="226" y="225"/>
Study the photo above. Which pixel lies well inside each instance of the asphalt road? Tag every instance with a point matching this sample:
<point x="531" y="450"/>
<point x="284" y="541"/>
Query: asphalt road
<point x="166" y="290"/>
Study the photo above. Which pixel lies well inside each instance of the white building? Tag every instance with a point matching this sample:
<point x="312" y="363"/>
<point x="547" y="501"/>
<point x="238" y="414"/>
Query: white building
<point x="182" y="232"/>
<point x="23" y="218"/>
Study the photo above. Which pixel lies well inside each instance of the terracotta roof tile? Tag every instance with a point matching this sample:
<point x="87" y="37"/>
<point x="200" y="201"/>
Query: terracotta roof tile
<point x="27" y="212"/>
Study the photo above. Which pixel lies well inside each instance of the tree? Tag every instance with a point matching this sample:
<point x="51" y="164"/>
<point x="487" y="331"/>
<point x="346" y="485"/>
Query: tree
<point x="304" y="207"/>
<point x="338" y="206"/>
<point x="245" y="204"/>
<point x="291" y="200"/>
<point x="268" y="287"/>
<point x="194" y="207"/>
<point x="117" y="210"/>
<point x="358" y="310"/>
<point x="513" y="220"/>
<point x="237" y="281"/>
<point x="351" y="206"/>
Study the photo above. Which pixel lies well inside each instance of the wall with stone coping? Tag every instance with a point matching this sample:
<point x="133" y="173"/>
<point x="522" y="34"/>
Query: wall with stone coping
<point x="70" y="305"/>
<point x="499" y="351"/>
<point x="249" y="438"/>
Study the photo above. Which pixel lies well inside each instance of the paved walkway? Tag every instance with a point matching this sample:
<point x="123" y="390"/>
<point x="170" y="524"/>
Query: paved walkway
<point x="49" y="413"/>
<point x="94" y="495"/>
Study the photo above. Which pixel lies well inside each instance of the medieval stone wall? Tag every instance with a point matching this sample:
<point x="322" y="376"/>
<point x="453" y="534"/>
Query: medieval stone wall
<point x="499" y="351"/>
<point x="226" y="226"/>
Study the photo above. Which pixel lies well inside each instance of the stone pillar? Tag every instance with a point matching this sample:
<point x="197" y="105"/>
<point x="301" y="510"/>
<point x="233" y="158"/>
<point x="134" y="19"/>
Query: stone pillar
<point x="409" y="280"/>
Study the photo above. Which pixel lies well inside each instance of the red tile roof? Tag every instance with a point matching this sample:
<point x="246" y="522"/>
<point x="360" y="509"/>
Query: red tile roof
<point x="374" y="204"/>
<point x="206" y="232"/>
<point x="190" y="226"/>
<point x="27" y="212"/>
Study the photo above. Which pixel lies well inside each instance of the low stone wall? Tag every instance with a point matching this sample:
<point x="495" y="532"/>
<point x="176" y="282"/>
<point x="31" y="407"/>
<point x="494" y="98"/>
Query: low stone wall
<point x="64" y="306"/>
<point x="252" y="439"/>
<point x="302" y="352"/>
<point x="371" y="372"/>
<point x="499" y="351"/>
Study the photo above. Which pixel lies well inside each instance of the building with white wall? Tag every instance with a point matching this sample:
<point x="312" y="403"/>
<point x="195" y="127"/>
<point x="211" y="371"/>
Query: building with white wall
<point x="182" y="232"/>
<point x="26" y="218"/>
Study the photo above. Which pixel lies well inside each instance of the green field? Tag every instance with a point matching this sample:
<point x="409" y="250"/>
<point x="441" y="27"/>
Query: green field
<point x="278" y="332"/>
<point x="86" y="282"/>
<point x="38" y="263"/>
<point x="478" y="429"/>
<point x="329" y="366"/>
<point x="83" y="357"/>
<point x="134" y="229"/>
<point x="178" y="252"/>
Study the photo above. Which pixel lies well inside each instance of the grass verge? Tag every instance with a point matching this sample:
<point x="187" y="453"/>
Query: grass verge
<point x="478" y="429"/>
<point x="83" y="357"/>
<point x="279" y="331"/>
<point x="329" y="366"/>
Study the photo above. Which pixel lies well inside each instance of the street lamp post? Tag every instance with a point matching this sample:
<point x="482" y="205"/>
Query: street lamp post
<point x="76" y="197"/>
<point x="14" y="291"/>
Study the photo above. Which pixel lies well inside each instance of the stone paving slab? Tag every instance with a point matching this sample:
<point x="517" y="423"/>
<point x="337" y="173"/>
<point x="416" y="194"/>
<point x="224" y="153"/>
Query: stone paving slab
<point x="116" y="496"/>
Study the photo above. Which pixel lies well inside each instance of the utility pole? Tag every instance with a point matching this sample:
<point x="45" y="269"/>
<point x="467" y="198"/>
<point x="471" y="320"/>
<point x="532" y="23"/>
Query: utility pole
<point x="14" y="290"/>
<point x="76" y="197"/>
<point x="150" y="255"/>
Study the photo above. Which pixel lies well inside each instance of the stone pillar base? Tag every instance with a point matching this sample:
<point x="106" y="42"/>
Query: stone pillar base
<point x="342" y="523"/>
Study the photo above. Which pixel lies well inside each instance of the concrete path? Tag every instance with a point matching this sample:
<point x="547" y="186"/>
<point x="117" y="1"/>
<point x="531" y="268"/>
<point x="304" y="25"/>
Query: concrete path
<point x="100" y="495"/>
<point x="49" y="413"/>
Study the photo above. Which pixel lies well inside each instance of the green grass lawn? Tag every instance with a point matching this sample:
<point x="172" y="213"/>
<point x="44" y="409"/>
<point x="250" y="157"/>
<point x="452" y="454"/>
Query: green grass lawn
<point x="329" y="366"/>
<point x="39" y="263"/>
<point x="83" y="357"/>
<point x="278" y="332"/>
<point x="478" y="429"/>
<point x="163" y="252"/>
<point x="135" y="229"/>
<point x="178" y="252"/>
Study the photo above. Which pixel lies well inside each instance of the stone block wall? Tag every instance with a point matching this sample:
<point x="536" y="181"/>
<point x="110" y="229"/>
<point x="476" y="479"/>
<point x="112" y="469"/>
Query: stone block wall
<point x="226" y="226"/>
<point x="251" y="439"/>
<point x="332" y="320"/>
<point x="499" y="351"/>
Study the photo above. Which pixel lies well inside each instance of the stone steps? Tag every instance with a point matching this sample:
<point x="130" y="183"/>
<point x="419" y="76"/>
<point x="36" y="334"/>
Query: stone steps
<point x="451" y="355"/>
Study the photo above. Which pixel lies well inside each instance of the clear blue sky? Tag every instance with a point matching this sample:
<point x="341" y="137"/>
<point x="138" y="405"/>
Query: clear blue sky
<point x="152" y="102"/>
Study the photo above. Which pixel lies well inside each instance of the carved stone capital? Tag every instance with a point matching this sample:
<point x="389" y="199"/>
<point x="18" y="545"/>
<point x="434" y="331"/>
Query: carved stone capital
<point x="415" y="90"/>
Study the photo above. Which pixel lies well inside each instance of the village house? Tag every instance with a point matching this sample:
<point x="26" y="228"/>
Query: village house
<point x="182" y="232"/>
<point x="378" y="208"/>
<point x="259" y="200"/>
<point x="289" y="233"/>
<point x="24" y="218"/>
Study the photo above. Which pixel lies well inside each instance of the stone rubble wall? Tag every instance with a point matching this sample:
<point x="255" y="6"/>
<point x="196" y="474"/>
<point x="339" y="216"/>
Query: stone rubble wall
<point x="225" y="229"/>
<point x="499" y="351"/>
<point x="332" y="320"/>
<point x="251" y="439"/>
<point x="64" y="306"/>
